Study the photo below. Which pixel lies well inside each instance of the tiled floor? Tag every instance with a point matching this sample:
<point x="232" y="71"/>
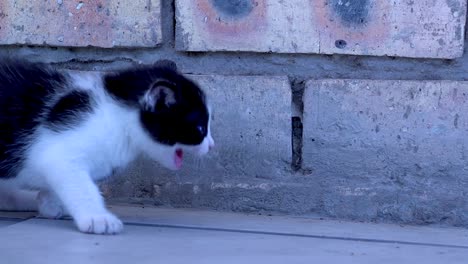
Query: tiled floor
<point x="155" y="235"/>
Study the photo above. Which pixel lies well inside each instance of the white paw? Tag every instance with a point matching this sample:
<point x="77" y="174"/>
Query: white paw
<point x="104" y="223"/>
<point x="49" y="206"/>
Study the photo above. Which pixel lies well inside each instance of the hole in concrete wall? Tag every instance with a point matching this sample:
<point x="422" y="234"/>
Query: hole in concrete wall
<point x="341" y="44"/>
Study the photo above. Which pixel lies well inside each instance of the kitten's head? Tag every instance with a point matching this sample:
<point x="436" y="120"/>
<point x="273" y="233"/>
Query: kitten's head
<point x="173" y="110"/>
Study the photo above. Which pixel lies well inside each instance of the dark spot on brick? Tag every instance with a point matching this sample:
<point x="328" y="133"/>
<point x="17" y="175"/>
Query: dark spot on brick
<point x="341" y="44"/>
<point x="458" y="32"/>
<point x="351" y="12"/>
<point x="411" y="95"/>
<point x="418" y="167"/>
<point x="407" y="112"/>
<point x="259" y="134"/>
<point x="18" y="27"/>
<point x="233" y="8"/>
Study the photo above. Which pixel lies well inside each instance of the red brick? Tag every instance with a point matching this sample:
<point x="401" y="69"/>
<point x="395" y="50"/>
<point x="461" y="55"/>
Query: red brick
<point x="426" y="28"/>
<point x="100" y="23"/>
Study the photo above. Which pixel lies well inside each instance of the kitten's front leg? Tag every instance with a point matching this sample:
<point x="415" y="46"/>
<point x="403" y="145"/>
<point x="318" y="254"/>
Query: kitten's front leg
<point x="81" y="198"/>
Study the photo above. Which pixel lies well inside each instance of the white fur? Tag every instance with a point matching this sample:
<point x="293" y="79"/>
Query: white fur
<point x="64" y="166"/>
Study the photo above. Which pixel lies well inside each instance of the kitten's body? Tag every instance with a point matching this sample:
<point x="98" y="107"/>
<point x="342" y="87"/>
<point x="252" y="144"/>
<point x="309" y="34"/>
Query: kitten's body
<point x="62" y="132"/>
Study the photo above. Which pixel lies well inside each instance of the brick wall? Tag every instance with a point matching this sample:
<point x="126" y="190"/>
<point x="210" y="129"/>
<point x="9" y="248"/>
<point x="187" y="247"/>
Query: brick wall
<point x="350" y="109"/>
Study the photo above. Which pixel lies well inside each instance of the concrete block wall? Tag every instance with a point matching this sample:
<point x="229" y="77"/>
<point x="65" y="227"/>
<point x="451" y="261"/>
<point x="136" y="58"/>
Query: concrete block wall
<point x="338" y="108"/>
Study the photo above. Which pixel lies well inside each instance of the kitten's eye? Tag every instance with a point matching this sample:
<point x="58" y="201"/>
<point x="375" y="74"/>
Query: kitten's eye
<point x="201" y="129"/>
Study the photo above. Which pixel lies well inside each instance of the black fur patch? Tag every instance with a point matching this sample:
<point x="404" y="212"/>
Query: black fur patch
<point x="69" y="110"/>
<point x="24" y="89"/>
<point x="184" y="121"/>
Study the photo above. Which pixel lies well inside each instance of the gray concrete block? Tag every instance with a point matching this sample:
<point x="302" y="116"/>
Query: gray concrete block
<point x="252" y="130"/>
<point x="391" y="150"/>
<point x="420" y="29"/>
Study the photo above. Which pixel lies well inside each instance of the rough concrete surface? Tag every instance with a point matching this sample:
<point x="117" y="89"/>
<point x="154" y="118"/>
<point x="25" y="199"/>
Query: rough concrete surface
<point x="193" y="236"/>
<point x="427" y="29"/>
<point x="389" y="149"/>
<point x="284" y="224"/>
<point x="108" y="23"/>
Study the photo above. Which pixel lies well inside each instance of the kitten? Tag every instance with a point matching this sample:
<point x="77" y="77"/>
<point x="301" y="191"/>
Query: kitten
<point x="61" y="132"/>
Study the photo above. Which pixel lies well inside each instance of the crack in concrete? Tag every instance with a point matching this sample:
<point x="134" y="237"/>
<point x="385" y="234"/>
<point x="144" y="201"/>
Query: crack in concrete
<point x="344" y="238"/>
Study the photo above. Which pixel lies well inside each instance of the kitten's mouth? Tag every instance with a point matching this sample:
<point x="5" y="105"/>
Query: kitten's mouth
<point x="178" y="158"/>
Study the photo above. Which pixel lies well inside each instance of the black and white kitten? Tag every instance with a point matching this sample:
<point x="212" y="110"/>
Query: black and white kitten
<point x="61" y="132"/>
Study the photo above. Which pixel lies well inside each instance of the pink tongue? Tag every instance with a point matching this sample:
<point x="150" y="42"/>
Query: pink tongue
<point x="179" y="155"/>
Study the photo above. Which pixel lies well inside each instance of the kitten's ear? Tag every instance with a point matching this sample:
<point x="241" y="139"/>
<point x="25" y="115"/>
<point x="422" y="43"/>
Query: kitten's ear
<point x="160" y="96"/>
<point x="166" y="63"/>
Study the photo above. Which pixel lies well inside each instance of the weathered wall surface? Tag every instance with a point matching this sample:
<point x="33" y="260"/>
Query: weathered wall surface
<point x="81" y="23"/>
<point x="404" y="28"/>
<point x="349" y="109"/>
<point x="397" y="148"/>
